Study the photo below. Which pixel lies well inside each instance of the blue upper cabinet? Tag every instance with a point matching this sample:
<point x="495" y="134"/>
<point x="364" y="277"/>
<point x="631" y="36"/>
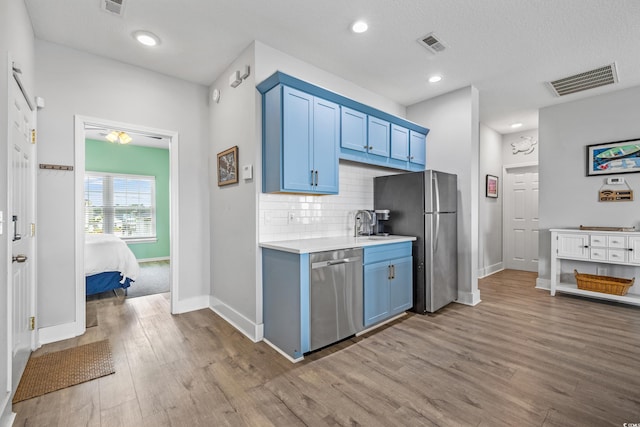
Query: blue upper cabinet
<point x="353" y="130"/>
<point x="300" y="142"/>
<point x="362" y="134"/>
<point x="378" y="136"/>
<point x="399" y="143"/>
<point x="417" y="148"/>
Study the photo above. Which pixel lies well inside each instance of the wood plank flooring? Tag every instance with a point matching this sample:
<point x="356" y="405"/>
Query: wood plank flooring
<point x="519" y="358"/>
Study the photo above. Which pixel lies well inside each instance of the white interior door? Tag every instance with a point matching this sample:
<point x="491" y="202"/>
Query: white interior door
<point x="521" y="218"/>
<point x="21" y="237"/>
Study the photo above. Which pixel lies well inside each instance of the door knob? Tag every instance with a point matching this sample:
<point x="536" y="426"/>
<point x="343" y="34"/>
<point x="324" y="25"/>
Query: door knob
<point x="19" y="258"/>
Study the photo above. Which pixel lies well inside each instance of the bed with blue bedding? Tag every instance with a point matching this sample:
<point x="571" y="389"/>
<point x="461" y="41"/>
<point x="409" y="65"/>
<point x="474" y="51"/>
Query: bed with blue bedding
<point x="109" y="263"/>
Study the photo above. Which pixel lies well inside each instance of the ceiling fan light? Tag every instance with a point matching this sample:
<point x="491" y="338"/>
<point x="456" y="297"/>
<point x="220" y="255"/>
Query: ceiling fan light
<point x="112" y="136"/>
<point x="124" y="138"/>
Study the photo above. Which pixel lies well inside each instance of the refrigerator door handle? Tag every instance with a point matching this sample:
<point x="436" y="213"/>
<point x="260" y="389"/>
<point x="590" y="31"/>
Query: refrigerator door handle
<point x="437" y="232"/>
<point x="436" y="190"/>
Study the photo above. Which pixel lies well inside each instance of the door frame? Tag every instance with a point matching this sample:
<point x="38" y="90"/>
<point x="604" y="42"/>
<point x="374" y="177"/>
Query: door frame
<point x="506" y="170"/>
<point x="80" y="122"/>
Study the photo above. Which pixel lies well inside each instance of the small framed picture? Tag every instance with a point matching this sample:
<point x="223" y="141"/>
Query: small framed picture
<point x="228" y="166"/>
<point x="613" y="157"/>
<point x="492" y="186"/>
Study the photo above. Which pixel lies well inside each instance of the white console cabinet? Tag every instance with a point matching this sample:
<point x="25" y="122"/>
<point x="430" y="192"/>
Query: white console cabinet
<point x="611" y="247"/>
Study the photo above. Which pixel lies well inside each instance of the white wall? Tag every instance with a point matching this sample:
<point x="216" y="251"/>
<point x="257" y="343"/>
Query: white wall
<point x="234" y="234"/>
<point x="490" y="215"/>
<point x="77" y="83"/>
<point x="568" y="198"/>
<point x="453" y="146"/>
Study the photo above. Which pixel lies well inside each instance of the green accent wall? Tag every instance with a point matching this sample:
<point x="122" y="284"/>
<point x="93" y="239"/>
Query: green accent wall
<point x="101" y="156"/>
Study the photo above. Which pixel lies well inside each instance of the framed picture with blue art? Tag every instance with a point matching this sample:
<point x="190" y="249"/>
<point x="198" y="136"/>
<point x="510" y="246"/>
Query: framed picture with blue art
<point x="613" y="157"/>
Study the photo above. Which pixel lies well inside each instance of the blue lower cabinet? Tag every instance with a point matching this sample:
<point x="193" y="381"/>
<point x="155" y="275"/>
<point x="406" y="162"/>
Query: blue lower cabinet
<point x="388" y="281"/>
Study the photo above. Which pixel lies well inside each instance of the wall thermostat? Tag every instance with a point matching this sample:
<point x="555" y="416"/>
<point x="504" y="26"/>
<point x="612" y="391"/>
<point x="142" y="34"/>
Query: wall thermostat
<point x="615" y="181"/>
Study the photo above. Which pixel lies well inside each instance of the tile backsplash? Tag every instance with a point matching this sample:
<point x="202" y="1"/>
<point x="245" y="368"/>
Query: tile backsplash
<point x="296" y="216"/>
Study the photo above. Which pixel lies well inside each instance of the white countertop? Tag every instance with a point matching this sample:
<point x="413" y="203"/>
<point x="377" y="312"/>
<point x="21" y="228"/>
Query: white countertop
<point x="320" y="244"/>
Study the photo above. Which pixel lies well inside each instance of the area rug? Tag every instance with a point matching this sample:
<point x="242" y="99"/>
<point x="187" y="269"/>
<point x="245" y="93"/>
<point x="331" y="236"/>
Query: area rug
<point x="152" y="279"/>
<point x="62" y="369"/>
<point x="91" y="315"/>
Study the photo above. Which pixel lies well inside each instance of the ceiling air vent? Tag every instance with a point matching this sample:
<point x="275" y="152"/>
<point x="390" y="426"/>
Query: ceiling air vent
<point x="113" y="6"/>
<point x="432" y="43"/>
<point x="588" y="80"/>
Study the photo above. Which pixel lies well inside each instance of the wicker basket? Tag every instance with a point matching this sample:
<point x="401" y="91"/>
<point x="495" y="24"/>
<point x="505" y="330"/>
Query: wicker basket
<point x="605" y="284"/>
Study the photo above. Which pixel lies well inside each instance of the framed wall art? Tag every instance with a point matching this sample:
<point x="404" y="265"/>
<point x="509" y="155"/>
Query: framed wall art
<point x="613" y="157"/>
<point x="492" y="186"/>
<point x="228" y="166"/>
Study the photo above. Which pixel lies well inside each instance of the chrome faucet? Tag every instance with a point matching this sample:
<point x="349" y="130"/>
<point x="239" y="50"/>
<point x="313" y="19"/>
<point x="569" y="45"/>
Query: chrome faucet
<point x="358" y="223"/>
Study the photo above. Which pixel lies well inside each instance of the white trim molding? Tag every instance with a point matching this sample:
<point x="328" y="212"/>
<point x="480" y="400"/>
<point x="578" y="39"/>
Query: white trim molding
<point x="289" y="358"/>
<point x="6" y="416"/>
<point x="191" y="304"/>
<point x="469" y="298"/>
<point x="543" y="283"/>
<point x="252" y="330"/>
<point x="492" y="269"/>
<point x="59" y="332"/>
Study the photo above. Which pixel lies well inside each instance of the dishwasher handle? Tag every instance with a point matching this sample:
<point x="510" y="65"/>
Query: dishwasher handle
<point x="329" y="263"/>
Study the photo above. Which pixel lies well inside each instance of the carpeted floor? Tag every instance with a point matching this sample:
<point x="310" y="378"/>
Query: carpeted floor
<point x="153" y="279"/>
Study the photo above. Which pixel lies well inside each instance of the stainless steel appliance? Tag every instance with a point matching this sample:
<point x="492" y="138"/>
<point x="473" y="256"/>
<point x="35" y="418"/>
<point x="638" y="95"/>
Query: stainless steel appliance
<point x="335" y="296"/>
<point x="370" y="222"/>
<point x="424" y="204"/>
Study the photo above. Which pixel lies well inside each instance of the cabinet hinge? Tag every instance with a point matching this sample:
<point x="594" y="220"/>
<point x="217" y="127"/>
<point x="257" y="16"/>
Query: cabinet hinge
<point x="32" y="323"/>
<point x="33" y="136"/>
<point x="33" y="230"/>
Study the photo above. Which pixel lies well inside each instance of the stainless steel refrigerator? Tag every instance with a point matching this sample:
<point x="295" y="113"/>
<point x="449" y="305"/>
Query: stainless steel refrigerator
<point x="424" y="204"/>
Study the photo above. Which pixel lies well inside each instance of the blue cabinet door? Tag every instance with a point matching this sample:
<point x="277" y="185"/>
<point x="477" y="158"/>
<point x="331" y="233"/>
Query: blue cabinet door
<point x="401" y="285"/>
<point x="297" y="128"/>
<point x="378" y="136"/>
<point x="399" y="143"/>
<point x="353" y="130"/>
<point x="417" y="148"/>
<point x="376" y="292"/>
<point x="326" y="137"/>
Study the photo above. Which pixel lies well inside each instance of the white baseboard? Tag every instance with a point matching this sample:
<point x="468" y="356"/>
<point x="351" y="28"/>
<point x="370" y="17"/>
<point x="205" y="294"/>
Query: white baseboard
<point x="191" y="304"/>
<point x="469" y="298"/>
<point x="6" y="414"/>
<point x="161" y="258"/>
<point x="51" y="334"/>
<point x="488" y="271"/>
<point x="253" y="331"/>
<point x="543" y="284"/>
<point x="291" y="359"/>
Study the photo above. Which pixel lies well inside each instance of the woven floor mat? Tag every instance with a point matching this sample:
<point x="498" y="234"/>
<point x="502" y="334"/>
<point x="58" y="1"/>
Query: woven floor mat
<point x="61" y="369"/>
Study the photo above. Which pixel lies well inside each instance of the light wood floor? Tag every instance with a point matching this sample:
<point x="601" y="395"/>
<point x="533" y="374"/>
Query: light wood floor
<point x="519" y="358"/>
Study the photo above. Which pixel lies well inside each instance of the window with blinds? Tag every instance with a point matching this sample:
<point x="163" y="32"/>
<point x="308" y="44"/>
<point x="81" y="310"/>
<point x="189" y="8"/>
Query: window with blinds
<point x="123" y="205"/>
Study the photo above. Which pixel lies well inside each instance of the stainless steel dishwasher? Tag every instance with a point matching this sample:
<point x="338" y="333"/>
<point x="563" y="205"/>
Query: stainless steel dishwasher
<point x="335" y="296"/>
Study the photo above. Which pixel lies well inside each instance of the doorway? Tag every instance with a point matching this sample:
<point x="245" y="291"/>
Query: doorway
<point x="83" y="127"/>
<point x="520" y="217"/>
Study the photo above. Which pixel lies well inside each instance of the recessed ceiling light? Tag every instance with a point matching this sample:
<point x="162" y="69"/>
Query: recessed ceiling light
<point x="435" y="79"/>
<point x="359" y="27"/>
<point x="146" y="38"/>
<point x="516" y="125"/>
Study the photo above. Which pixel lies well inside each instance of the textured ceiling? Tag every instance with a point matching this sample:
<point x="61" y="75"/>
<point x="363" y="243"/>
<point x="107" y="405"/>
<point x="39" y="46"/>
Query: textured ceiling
<point x="506" y="48"/>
